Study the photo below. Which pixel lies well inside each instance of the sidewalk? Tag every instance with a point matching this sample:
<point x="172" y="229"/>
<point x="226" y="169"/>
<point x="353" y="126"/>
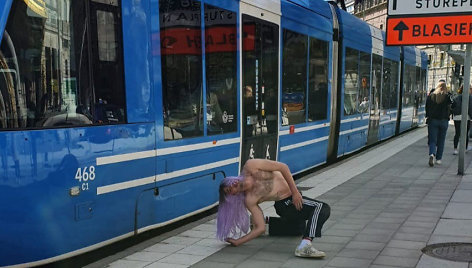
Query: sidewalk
<point x="386" y="205"/>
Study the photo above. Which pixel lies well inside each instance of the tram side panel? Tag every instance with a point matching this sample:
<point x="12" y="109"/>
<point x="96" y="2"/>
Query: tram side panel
<point x="305" y="95"/>
<point x="60" y="175"/>
<point x="356" y="72"/>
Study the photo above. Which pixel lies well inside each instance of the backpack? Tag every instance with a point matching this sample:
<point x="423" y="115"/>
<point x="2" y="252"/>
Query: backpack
<point x="456" y="107"/>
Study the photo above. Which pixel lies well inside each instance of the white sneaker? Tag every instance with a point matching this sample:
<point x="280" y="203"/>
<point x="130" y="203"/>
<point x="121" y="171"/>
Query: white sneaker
<point x="438" y="162"/>
<point x="455" y="152"/>
<point x="431" y="160"/>
<point x="308" y="251"/>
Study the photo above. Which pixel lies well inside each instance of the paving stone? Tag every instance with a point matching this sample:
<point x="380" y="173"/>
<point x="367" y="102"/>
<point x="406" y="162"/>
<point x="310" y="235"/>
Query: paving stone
<point x="349" y="262"/>
<point x="224" y="257"/>
<point x="399" y="252"/>
<point x="456" y="210"/>
<point x="365" y="245"/>
<point x="210" y="264"/>
<point x="251" y="263"/>
<point x="399" y="262"/>
<point x="416" y="230"/>
<point x="431" y="262"/>
<point x="304" y="262"/>
<point x="373" y="237"/>
<point x="358" y="253"/>
<point x="406" y="244"/>
<point x="411" y="237"/>
<point x="454" y="227"/>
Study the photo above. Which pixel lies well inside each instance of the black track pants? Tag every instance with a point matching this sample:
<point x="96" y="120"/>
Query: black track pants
<point x="292" y="220"/>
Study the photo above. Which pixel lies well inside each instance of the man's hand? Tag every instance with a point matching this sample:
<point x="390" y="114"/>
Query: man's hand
<point x="233" y="242"/>
<point x="297" y="200"/>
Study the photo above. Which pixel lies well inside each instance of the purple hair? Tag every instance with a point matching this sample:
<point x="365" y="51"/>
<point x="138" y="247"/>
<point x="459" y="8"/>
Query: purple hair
<point x="233" y="218"/>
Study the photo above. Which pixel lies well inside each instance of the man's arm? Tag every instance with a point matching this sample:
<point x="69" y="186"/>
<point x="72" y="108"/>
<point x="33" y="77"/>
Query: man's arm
<point x="269" y="165"/>
<point x="259" y="226"/>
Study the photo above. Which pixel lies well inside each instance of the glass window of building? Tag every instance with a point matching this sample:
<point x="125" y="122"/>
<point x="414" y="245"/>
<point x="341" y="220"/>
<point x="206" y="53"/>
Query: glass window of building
<point x="221" y="70"/>
<point x="181" y="60"/>
<point x="351" y="81"/>
<point x="294" y="67"/>
<point x="46" y="66"/>
<point x="318" y="80"/>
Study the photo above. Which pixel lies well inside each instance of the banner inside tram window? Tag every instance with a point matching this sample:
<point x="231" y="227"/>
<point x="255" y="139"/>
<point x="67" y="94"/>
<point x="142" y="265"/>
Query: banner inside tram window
<point x="186" y="41"/>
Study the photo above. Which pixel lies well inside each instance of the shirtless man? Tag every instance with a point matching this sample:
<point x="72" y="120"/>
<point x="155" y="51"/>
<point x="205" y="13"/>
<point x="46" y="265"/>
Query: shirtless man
<point x="265" y="180"/>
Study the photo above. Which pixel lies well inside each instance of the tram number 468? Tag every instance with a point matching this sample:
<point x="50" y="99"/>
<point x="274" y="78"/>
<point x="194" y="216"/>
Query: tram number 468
<point x="84" y="175"/>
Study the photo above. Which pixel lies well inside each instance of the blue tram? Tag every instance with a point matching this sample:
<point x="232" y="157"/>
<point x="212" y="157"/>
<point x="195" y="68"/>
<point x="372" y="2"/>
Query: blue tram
<point x="117" y="117"/>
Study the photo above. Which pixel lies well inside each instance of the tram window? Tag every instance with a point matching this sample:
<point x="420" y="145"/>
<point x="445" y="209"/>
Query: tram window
<point x="106" y="36"/>
<point x="376" y="81"/>
<point x="394" y="84"/>
<point x="45" y="78"/>
<point x="364" y="74"/>
<point x="221" y="70"/>
<point x="181" y="62"/>
<point x="417" y="89"/>
<point x="410" y="77"/>
<point x="423" y="87"/>
<point x="294" y="76"/>
<point x="318" y="80"/>
<point x="351" y="81"/>
<point x="387" y="83"/>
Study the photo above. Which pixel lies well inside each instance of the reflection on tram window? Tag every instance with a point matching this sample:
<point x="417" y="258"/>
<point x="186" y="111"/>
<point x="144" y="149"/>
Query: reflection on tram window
<point x="259" y="77"/>
<point x="376" y="82"/>
<point x="409" y="85"/>
<point x="422" y="87"/>
<point x="351" y="81"/>
<point x="318" y="80"/>
<point x="364" y="74"/>
<point x="387" y="83"/>
<point x="390" y="84"/>
<point x="221" y="70"/>
<point x="418" y="88"/>
<point x="294" y="66"/>
<point x="181" y="68"/>
<point x="44" y="75"/>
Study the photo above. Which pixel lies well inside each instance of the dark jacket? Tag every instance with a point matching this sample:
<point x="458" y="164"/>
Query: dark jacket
<point x="438" y="108"/>
<point x="458" y="102"/>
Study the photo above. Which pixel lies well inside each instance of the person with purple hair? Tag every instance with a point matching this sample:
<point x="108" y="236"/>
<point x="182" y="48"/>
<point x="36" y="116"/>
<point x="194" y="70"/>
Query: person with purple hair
<point x="265" y="180"/>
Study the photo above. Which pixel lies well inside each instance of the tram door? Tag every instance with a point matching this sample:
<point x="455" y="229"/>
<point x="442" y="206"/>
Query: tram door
<point x="260" y="84"/>
<point x="374" y="114"/>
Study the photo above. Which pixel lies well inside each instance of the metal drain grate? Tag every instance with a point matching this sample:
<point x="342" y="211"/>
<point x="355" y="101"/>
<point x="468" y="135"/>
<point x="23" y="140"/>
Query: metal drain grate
<point x="450" y="251"/>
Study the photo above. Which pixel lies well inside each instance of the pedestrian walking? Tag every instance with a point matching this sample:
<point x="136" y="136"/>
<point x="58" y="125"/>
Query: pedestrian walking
<point x="456" y="110"/>
<point x="438" y="106"/>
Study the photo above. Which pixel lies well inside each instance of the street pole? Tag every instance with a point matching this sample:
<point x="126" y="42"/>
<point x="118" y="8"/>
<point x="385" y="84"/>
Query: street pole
<point x="465" y="110"/>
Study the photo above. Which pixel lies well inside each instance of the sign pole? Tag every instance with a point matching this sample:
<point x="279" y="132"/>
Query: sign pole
<point x="465" y="109"/>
